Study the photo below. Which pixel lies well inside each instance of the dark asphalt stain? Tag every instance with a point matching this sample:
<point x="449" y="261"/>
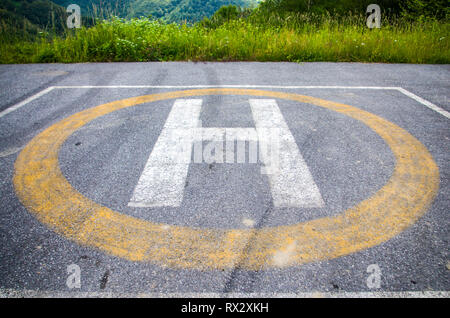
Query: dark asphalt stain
<point x="104" y="280"/>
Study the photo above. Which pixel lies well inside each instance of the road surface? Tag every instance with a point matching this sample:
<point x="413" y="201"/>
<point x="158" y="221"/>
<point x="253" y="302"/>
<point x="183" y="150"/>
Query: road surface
<point x="116" y="179"/>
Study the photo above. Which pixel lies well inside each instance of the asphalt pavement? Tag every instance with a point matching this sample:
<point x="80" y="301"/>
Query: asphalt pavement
<point x="362" y="207"/>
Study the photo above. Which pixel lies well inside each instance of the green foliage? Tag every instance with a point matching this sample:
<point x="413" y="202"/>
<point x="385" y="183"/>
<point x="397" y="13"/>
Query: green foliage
<point x="239" y="40"/>
<point x="423" y="9"/>
<point x="99" y="8"/>
<point x="226" y="14"/>
<point x="32" y="19"/>
<point x="332" y="6"/>
<point x="413" y="9"/>
<point x="182" y="10"/>
<point x="27" y="17"/>
<point x="277" y="30"/>
<point x="168" y="10"/>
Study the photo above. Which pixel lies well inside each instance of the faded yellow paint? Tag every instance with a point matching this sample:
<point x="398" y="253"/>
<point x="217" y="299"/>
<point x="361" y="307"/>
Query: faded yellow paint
<point x="45" y="192"/>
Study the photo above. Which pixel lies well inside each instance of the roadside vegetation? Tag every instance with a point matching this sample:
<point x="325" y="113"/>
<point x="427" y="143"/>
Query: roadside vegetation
<point x="277" y="30"/>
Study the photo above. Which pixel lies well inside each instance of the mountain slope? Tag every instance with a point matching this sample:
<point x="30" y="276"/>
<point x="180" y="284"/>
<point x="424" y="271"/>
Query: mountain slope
<point x="32" y="15"/>
<point x="168" y="10"/>
<point x="182" y="10"/>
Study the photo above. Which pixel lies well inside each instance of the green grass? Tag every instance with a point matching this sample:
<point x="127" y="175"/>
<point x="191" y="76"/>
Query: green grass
<point x="298" y="39"/>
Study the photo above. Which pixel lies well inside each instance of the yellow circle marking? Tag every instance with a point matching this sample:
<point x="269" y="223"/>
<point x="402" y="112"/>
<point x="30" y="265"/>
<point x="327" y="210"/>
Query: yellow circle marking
<point x="45" y="192"/>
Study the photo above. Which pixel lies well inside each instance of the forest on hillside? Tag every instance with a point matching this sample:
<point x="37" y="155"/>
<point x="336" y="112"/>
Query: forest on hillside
<point x="33" y="15"/>
<point x="50" y="14"/>
<point x="167" y="10"/>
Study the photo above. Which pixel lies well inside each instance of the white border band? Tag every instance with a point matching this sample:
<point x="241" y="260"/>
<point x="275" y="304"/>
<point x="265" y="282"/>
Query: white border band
<point x="420" y="100"/>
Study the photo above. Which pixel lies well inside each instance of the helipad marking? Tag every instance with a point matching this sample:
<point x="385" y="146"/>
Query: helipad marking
<point x="163" y="180"/>
<point x="230" y="135"/>
<point x="292" y="185"/>
<point x="42" y="188"/>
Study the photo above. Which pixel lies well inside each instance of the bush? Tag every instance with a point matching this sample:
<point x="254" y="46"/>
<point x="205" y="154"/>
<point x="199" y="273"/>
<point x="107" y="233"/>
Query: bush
<point x="233" y="34"/>
<point x="426" y="9"/>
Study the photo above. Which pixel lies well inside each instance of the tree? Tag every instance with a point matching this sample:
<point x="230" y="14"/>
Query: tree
<point x="421" y="9"/>
<point x="322" y="6"/>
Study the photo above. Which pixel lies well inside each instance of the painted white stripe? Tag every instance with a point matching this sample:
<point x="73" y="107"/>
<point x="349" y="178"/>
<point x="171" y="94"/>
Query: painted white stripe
<point x="162" y="181"/>
<point x="221" y="134"/>
<point x="26" y="101"/>
<point x="291" y="183"/>
<point x="232" y="86"/>
<point x="10" y="151"/>
<point x="230" y="136"/>
<point x="26" y="293"/>
<point x="424" y="102"/>
<point x="400" y="89"/>
<point x="164" y="176"/>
